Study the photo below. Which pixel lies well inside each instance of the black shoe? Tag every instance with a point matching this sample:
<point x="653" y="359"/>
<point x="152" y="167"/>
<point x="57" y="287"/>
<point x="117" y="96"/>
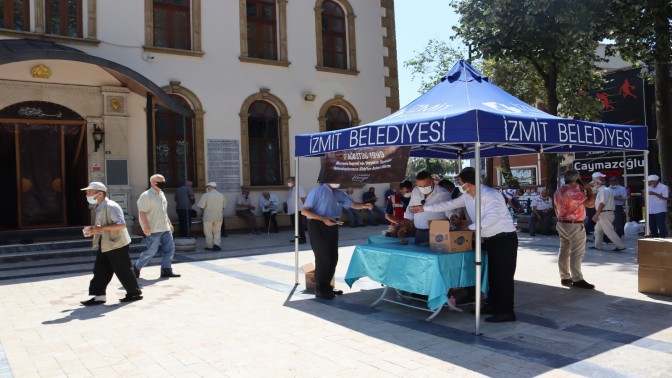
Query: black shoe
<point x="566" y="282"/>
<point x="620" y="249"/>
<point x="92" y="302"/>
<point x="225" y="235"/>
<point x="136" y="271"/>
<point x="501" y="318"/>
<point x="583" y="285"/>
<point x="131" y="298"/>
<point x="337" y="292"/>
<point x="168" y="273"/>
<point x="209" y="249"/>
<point x="322" y="295"/>
<point x="216" y="248"/>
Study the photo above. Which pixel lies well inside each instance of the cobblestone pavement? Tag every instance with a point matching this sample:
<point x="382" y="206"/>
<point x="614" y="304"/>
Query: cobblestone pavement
<point x="237" y="313"/>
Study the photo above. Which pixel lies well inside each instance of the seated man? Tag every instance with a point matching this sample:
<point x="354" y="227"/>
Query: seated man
<point x="244" y="210"/>
<point x="511" y="197"/>
<point x="542" y="208"/>
<point x="269" y="204"/>
<point x="354" y="215"/>
<point x="370" y="197"/>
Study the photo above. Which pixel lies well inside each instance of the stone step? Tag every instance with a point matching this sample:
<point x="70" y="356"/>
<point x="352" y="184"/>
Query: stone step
<point x="49" y="251"/>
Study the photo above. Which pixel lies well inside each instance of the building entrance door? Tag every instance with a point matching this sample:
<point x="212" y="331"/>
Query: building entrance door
<point x="44" y="160"/>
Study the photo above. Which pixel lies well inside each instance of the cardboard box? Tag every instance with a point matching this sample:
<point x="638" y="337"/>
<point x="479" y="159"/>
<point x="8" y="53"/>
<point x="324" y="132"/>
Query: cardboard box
<point x="309" y="271"/>
<point x="655" y="252"/>
<point x="655" y="280"/>
<point x="442" y="239"/>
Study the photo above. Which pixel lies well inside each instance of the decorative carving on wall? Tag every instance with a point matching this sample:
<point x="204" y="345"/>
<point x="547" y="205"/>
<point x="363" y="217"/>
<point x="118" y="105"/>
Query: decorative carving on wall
<point x="41" y="72"/>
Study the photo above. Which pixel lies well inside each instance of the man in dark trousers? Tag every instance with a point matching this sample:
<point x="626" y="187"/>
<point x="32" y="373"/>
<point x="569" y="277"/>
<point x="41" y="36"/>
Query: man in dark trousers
<point x="184" y="198"/>
<point x="323" y="207"/>
<point x="111" y="239"/>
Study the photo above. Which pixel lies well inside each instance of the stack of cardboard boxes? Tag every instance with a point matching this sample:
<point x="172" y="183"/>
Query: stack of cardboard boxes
<point x="655" y="266"/>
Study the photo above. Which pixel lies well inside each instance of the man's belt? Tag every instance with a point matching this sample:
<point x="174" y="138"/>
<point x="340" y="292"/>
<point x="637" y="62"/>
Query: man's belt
<point x="570" y="221"/>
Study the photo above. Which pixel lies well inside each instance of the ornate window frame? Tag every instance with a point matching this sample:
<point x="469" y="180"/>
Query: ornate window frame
<point x="196" y="44"/>
<point x="340" y="102"/>
<point x="263" y="95"/>
<point x="281" y="6"/>
<point x="176" y="88"/>
<point x="351" y="38"/>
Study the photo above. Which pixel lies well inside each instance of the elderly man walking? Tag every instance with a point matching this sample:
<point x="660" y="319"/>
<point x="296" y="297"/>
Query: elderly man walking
<point x="571" y="201"/>
<point x="158" y="230"/>
<point x="213" y="204"/>
<point x="604" y="217"/>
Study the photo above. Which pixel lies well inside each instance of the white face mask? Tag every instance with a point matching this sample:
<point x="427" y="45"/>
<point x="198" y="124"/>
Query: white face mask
<point x="407" y="195"/>
<point x="426" y="189"/>
<point x="92" y="199"/>
<point x="461" y="188"/>
<point x="335" y="186"/>
<point x="289" y="184"/>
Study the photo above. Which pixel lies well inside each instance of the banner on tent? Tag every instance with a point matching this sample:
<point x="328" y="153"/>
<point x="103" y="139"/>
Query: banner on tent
<point x="365" y="165"/>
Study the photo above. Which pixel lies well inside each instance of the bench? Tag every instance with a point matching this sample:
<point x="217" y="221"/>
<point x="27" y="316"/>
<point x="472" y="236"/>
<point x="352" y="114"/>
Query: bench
<point x="524" y="224"/>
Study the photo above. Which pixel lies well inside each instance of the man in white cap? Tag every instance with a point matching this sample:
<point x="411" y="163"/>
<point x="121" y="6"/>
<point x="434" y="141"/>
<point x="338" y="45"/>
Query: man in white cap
<point x="659" y="193"/>
<point x="604" y="216"/>
<point x="212" y="203"/>
<point x="111" y="239"/>
<point x="588" y="222"/>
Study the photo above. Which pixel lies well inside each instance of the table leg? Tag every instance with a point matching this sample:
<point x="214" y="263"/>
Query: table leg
<point x="381" y="297"/>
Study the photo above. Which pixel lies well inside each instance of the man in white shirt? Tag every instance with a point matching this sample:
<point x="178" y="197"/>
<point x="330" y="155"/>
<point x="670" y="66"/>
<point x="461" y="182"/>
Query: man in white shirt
<point x="291" y="183"/>
<point x="620" y="196"/>
<point x="588" y="222"/>
<point x="658" y="195"/>
<point x="499" y="240"/>
<point x="424" y="193"/>
<point x="604" y="217"/>
<point x="270" y="205"/>
<point x="213" y="204"/>
<point x="542" y="208"/>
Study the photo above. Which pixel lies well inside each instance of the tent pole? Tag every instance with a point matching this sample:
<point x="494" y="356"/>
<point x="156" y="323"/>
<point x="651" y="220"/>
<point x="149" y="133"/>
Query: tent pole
<point x="296" y="221"/>
<point x="626" y="208"/>
<point x="477" y="235"/>
<point x="645" y="215"/>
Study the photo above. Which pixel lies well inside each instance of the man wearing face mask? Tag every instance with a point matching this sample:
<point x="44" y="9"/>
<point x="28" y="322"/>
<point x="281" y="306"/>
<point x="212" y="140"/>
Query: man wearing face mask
<point x="111" y="239"/>
<point x="323" y="208"/>
<point x="499" y="240"/>
<point x="291" y="204"/>
<point x="397" y="203"/>
<point x="424" y="193"/>
<point x="158" y="230"/>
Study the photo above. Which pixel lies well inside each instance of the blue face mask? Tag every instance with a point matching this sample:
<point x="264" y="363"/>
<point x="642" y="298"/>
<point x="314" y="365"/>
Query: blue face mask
<point x="92" y="199"/>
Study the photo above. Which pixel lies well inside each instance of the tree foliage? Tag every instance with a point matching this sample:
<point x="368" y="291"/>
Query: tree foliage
<point x="557" y="38"/>
<point x="433" y="62"/>
<point x="441" y="167"/>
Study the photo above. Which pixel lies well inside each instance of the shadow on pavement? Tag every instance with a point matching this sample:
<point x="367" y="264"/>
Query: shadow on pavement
<point x="85" y="313"/>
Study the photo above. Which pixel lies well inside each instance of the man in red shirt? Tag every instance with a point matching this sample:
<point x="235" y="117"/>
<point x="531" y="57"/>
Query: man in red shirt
<point x="571" y="201"/>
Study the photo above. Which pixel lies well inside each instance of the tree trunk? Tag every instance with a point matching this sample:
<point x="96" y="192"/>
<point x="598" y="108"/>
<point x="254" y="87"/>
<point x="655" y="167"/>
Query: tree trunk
<point x="505" y="165"/>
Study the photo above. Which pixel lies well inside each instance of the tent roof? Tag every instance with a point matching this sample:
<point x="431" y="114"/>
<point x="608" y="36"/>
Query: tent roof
<point x="18" y="50"/>
<point x="465" y="109"/>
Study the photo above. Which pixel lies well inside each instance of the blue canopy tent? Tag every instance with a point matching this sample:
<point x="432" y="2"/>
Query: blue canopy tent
<point x="466" y="116"/>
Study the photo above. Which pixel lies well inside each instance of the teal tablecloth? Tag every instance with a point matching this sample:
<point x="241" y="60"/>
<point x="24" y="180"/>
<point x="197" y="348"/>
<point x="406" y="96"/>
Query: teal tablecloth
<point x="382" y="239"/>
<point x="416" y="269"/>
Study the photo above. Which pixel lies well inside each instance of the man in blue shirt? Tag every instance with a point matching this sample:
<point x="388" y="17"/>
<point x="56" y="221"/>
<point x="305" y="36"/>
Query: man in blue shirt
<point x="323" y="208"/>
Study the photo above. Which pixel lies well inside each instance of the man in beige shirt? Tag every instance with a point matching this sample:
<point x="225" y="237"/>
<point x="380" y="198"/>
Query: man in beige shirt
<point x="213" y="204"/>
<point x="158" y="230"/>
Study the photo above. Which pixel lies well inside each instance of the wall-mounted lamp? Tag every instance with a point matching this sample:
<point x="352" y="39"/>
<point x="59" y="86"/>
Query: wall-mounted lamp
<point x="309" y="96"/>
<point x="98" y="136"/>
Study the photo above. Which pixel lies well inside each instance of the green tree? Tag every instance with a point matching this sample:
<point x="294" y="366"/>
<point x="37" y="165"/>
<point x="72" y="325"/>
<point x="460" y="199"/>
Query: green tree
<point x="557" y="38"/>
<point x="441" y="167"/>
<point x="642" y="32"/>
<point x="432" y="63"/>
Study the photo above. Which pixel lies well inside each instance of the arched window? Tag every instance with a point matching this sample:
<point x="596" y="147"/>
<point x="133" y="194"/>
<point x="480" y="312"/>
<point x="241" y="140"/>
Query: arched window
<point x="265" y="152"/>
<point x="262" y="36"/>
<point x="337" y="119"/>
<point x="175" y="156"/>
<point x="64" y="17"/>
<point x="334" y="36"/>
<point x="15" y="15"/>
<point x="172" y="24"/>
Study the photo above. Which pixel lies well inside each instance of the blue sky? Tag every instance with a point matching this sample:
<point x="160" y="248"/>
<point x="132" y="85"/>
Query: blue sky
<point x="417" y="22"/>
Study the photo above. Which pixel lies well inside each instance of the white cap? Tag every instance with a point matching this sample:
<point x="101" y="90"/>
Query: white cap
<point x="95" y="185"/>
<point x="653" y="178"/>
<point x="211" y="183"/>
<point x="598" y="174"/>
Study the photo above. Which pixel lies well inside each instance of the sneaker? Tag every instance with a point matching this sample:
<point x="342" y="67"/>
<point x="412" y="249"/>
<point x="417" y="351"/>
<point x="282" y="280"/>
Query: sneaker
<point x="583" y="285"/>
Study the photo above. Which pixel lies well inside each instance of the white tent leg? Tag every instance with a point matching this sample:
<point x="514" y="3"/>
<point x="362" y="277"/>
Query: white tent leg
<point x="477" y="235"/>
<point x="296" y="221"/>
<point x="645" y="215"/>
